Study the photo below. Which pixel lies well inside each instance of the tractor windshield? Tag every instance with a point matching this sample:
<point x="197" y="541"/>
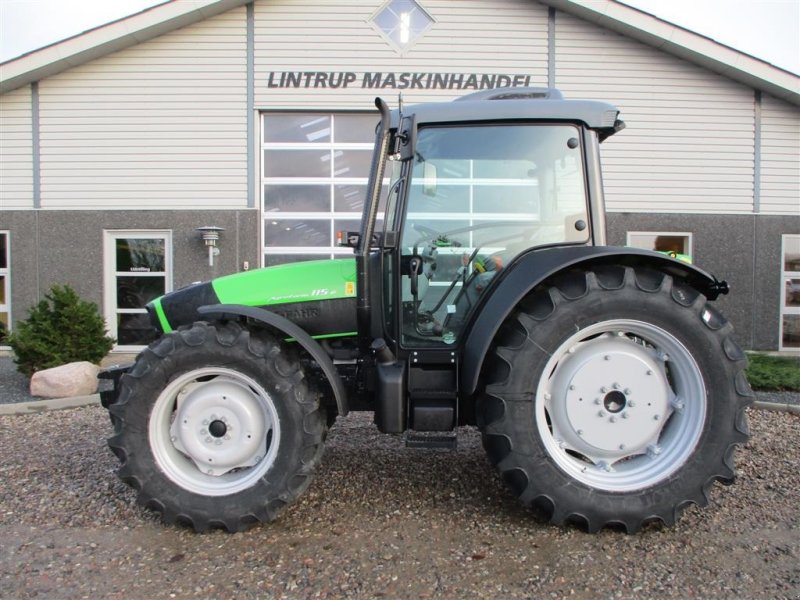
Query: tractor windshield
<point x="478" y="197"/>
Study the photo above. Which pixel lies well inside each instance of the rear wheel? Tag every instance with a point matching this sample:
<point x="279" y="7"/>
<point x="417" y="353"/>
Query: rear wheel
<point x="615" y="397"/>
<point x="216" y="427"/>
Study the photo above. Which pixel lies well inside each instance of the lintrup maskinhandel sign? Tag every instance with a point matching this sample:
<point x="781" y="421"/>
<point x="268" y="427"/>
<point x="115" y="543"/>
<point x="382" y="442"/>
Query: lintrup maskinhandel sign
<point x="396" y="81"/>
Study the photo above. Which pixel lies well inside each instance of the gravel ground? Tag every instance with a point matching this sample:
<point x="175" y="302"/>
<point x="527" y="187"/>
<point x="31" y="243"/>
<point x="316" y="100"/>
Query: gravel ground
<point x="14" y="386"/>
<point x="381" y="520"/>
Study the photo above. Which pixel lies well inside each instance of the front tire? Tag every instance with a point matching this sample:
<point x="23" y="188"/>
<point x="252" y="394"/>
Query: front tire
<point x="216" y="426"/>
<point x="615" y="397"/>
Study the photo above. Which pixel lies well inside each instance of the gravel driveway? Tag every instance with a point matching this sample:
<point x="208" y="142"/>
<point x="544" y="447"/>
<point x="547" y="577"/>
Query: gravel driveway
<point x="381" y="520"/>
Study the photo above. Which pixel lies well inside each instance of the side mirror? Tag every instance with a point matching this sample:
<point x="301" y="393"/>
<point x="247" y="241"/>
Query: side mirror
<point x="407" y="135"/>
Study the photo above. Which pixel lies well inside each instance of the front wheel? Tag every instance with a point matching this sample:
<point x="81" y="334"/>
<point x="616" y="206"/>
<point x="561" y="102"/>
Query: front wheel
<point x="615" y="397"/>
<point x="215" y="426"/>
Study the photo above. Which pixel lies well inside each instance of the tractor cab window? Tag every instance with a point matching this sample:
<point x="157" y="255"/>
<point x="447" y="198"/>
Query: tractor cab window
<point x="478" y="197"/>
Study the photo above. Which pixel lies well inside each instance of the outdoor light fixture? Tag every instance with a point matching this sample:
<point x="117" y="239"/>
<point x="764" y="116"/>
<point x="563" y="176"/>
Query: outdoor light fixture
<point x="210" y="235"/>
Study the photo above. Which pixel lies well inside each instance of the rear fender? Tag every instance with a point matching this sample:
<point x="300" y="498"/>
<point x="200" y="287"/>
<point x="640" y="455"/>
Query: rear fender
<point x="535" y="267"/>
<point x="292" y="330"/>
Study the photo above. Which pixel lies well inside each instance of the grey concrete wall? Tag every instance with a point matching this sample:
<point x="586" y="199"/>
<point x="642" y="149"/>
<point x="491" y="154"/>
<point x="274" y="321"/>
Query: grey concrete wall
<point x="66" y="247"/>
<point x="742" y="249"/>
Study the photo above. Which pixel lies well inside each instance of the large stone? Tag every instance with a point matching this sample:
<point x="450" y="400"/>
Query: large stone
<point x="66" y="381"/>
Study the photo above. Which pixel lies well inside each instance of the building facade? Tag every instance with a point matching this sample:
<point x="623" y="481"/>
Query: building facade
<point x="257" y="117"/>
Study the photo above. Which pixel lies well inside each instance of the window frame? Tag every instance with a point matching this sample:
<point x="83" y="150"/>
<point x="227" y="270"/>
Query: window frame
<point x="111" y="309"/>
<point x="329" y="216"/>
<point x="5" y="307"/>
<point x="786" y="310"/>
<point x="687" y="234"/>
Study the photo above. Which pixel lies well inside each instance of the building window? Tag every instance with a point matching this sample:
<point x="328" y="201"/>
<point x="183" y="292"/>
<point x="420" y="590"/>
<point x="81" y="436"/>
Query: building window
<point x="314" y="171"/>
<point x="790" y="293"/>
<point x="676" y="244"/>
<point x="5" y="287"/>
<point x="138" y="268"/>
<point x="401" y="22"/>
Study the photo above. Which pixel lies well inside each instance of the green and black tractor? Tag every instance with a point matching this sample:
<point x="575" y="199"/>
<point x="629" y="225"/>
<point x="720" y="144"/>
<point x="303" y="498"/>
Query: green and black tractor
<point x="607" y="389"/>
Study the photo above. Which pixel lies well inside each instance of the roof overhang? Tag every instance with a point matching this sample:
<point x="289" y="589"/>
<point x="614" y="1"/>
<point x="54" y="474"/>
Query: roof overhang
<point x="109" y="38"/>
<point x="685" y="44"/>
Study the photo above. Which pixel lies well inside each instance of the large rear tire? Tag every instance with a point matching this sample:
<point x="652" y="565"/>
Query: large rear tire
<point x="615" y="397"/>
<point x="216" y="426"/>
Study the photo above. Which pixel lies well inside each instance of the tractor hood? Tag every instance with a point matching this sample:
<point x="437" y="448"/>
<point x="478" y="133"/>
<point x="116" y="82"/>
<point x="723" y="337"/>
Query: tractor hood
<point x="318" y="295"/>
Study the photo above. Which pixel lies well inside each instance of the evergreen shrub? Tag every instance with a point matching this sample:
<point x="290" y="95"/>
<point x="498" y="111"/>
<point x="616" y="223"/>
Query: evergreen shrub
<point x="60" y="329"/>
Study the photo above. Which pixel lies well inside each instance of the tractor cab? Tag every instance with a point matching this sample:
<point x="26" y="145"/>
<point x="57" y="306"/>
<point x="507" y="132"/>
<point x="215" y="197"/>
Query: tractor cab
<point x="474" y="197"/>
<point x="473" y="185"/>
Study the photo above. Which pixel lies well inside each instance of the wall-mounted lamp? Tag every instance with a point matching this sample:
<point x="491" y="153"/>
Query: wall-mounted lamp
<point x="210" y="235"/>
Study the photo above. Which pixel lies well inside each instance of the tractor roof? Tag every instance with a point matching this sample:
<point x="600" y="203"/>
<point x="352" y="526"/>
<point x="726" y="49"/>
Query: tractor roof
<point x="514" y="104"/>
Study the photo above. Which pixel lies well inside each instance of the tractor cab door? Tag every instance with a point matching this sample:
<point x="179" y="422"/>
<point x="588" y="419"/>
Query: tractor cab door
<point x="470" y="200"/>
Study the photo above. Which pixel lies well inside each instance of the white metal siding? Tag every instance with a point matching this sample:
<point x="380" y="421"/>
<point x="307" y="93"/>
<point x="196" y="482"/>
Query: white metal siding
<point x="780" y="157"/>
<point x="158" y="125"/>
<point x="16" y="150"/>
<point x="689" y="142"/>
<point x="478" y="36"/>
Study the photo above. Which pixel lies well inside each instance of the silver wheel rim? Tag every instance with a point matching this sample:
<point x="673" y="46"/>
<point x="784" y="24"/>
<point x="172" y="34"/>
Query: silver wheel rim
<point x="214" y="431"/>
<point x="621" y="406"/>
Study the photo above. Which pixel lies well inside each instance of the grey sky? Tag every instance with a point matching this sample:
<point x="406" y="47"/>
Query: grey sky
<point x="766" y="29"/>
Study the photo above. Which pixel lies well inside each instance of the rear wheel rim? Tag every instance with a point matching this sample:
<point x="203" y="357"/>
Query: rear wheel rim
<point x="214" y="431"/>
<point x="621" y="405"/>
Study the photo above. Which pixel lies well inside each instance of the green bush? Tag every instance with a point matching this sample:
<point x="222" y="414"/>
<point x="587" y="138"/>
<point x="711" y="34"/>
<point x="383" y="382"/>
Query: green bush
<point x="774" y="373"/>
<point x="60" y="329"/>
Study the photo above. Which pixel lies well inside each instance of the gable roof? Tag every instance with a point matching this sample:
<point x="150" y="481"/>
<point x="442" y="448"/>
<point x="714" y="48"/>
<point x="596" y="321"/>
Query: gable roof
<point x="103" y="40"/>
<point x="610" y="14"/>
<point x="685" y="44"/>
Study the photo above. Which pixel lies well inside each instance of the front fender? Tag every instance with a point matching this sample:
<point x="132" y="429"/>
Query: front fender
<point x="308" y="343"/>
<point x="534" y="267"/>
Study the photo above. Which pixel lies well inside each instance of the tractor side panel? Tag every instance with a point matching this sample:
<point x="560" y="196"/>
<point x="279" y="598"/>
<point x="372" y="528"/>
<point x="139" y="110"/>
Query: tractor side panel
<point x="320" y="296"/>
